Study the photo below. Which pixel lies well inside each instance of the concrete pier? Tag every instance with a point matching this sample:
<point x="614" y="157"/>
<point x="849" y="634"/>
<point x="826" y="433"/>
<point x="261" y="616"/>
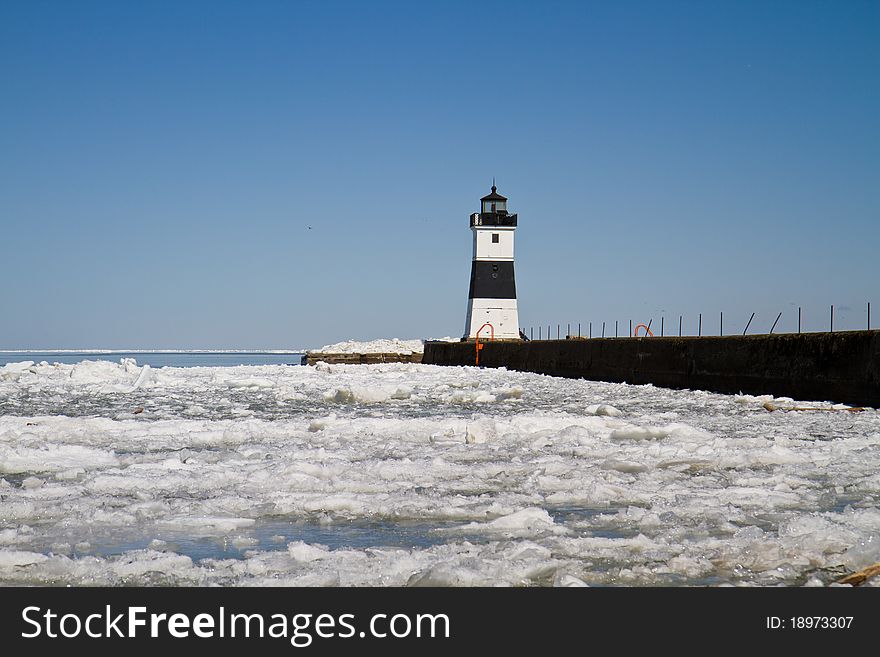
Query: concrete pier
<point x="312" y="357"/>
<point x="841" y="367"/>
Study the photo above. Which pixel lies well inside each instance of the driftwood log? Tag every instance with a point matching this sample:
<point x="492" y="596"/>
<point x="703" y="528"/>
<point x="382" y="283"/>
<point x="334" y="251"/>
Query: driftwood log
<point x="861" y="576"/>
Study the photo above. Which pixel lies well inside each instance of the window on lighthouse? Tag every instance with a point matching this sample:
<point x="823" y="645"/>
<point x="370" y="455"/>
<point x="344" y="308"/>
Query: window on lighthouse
<point x="494" y="238"/>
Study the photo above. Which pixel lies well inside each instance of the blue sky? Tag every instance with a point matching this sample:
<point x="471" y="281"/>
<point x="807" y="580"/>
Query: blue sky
<point x="162" y="164"/>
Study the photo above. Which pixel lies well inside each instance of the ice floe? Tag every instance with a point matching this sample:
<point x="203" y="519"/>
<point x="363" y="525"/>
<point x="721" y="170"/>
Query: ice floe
<point x="407" y="474"/>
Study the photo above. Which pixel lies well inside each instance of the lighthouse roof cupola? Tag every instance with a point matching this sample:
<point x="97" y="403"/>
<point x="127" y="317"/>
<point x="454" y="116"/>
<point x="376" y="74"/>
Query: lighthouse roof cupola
<point x="493" y="211"/>
<point x="494" y="202"/>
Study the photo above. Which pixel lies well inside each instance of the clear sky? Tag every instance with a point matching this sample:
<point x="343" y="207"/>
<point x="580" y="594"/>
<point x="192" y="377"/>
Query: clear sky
<point x="288" y="174"/>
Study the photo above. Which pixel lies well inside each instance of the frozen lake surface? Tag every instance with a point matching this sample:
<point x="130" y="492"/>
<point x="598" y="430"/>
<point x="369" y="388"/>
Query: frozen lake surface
<point x="159" y="358"/>
<point x="115" y="473"/>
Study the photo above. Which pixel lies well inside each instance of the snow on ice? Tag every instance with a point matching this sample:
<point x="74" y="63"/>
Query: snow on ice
<point x="385" y="346"/>
<point x="405" y="474"/>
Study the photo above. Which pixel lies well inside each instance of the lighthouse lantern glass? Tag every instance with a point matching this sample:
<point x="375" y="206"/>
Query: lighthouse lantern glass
<point x="494" y="206"/>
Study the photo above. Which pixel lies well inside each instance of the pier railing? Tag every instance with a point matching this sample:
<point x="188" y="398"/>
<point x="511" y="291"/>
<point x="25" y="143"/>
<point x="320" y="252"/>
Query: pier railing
<point x="694" y="326"/>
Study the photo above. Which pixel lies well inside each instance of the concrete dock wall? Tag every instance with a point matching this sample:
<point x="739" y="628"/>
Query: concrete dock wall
<point x="841" y="367"/>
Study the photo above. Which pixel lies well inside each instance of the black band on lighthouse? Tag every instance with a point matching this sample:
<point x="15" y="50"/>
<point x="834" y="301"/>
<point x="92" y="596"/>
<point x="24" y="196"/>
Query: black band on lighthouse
<point x="492" y="280"/>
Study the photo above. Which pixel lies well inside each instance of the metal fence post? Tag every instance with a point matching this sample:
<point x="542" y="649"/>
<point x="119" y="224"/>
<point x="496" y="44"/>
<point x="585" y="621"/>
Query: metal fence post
<point x="603" y="329"/>
<point x="749" y="323"/>
<point x="679" y="326"/>
<point x="774" y="323"/>
<point x="700" y="325"/>
<point x="831" y="325"/>
<point x="615" y="328"/>
<point x="799" y="319"/>
<point x="630" y="328"/>
<point x="661" y="326"/>
<point x="721" y="325"/>
<point x="591" y="330"/>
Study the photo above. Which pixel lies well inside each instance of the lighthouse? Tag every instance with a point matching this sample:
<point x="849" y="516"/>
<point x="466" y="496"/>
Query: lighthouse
<point x="492" y="297"/>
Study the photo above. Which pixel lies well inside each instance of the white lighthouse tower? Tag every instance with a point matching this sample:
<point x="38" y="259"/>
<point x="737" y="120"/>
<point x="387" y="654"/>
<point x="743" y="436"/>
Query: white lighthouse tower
<point x="492" y="297"/>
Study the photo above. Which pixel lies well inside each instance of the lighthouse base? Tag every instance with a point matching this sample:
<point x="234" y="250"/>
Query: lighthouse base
<point x="501" y="314"/>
